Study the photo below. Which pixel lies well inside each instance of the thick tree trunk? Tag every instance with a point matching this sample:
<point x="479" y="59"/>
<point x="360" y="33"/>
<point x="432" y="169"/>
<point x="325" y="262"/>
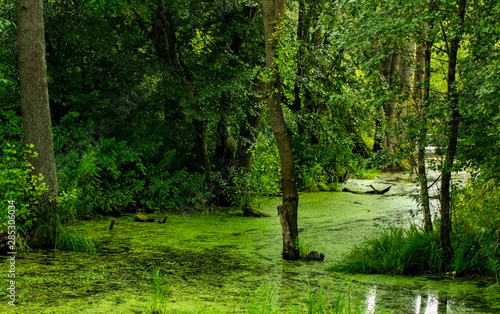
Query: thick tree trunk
<point x="36" y="113"/>
<point x="421" y="96"/>
<point x="272" y="15"/>
<point x="452" y="136"/>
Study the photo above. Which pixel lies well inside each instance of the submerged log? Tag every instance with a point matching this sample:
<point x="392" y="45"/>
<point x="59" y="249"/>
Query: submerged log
<point x="143" y="218"/>
<point x="373" y="191"/>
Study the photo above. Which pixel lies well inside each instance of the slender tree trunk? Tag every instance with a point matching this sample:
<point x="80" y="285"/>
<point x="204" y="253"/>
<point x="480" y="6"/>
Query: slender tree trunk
<point x="272" y="15"/>
<point x="452" y="136"/>
<point x="36" y="114"/>
<point x="421" y="97"/>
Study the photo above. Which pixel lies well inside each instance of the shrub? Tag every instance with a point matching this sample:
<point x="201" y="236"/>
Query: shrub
<point x="179" y="189"/>
<point x="476" y="233"/>
<point x="109" y="177"/>
<point x="267" y="165"/>
<point x="17" y="183"/>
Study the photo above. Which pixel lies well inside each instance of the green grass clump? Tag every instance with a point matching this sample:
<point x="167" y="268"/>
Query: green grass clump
<point x="398" y="251"/>
<point x="158" y="299"/>
<point x="74" y="243"/>
<point x="304" y="248"/>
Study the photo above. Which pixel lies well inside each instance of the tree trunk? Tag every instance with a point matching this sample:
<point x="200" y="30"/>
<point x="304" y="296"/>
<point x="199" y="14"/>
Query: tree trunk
<point x="36" y="114"/>
<point x="388" y="71"/>
<point x="272" y="15"/>
<point x="452" y="136"/>
<point x="421" y="97"/>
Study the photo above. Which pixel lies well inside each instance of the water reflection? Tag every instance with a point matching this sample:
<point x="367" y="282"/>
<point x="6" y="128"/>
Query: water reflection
<point x="423" y="304"/>
<point x="418" y="304"/>
<point x="371" y="300"/>
<point x="430" y="305"/>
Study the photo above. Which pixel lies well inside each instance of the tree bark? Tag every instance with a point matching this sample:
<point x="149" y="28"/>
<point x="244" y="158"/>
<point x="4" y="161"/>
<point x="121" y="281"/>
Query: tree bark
<point x="272" y="14"/>
<point x="452" y="136"/>
<point x="388" y="71"/>
<point x="421" y="97"/>
<point x="36" y="114"/>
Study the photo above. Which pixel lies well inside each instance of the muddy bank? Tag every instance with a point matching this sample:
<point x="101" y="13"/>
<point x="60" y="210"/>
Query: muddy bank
<point x="222" y="260"/>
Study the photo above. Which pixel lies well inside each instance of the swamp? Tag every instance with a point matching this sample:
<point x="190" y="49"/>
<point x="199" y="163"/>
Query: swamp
<point x="225" y="263"/>
<point x="250" y="156"/>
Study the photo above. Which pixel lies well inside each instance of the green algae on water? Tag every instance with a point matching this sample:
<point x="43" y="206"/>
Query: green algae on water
<point x="217" y="263"/>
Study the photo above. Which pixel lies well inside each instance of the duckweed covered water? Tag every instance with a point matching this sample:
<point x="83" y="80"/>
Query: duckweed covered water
<point x="225" y="262"/>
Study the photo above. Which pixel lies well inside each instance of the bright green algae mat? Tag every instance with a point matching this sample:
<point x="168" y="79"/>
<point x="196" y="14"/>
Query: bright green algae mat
<point x="222" y="261"/>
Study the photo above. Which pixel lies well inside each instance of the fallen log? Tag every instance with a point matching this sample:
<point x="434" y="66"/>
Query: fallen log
<point x="373" y="191"/>
<point x="352" y="191"/>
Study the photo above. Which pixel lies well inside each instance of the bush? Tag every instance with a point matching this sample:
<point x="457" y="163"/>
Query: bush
<point x="242" y="189"/>
<point x="19" y="185"/>
<point x="267" y="165"/>
<point x="109" y="178"/>
<point x="476" y="234"/>
<point x="179" y="189"/>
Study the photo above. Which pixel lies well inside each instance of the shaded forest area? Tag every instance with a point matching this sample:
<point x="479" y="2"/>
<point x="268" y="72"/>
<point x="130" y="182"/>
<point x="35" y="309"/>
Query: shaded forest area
<point x="160" y="106"/>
